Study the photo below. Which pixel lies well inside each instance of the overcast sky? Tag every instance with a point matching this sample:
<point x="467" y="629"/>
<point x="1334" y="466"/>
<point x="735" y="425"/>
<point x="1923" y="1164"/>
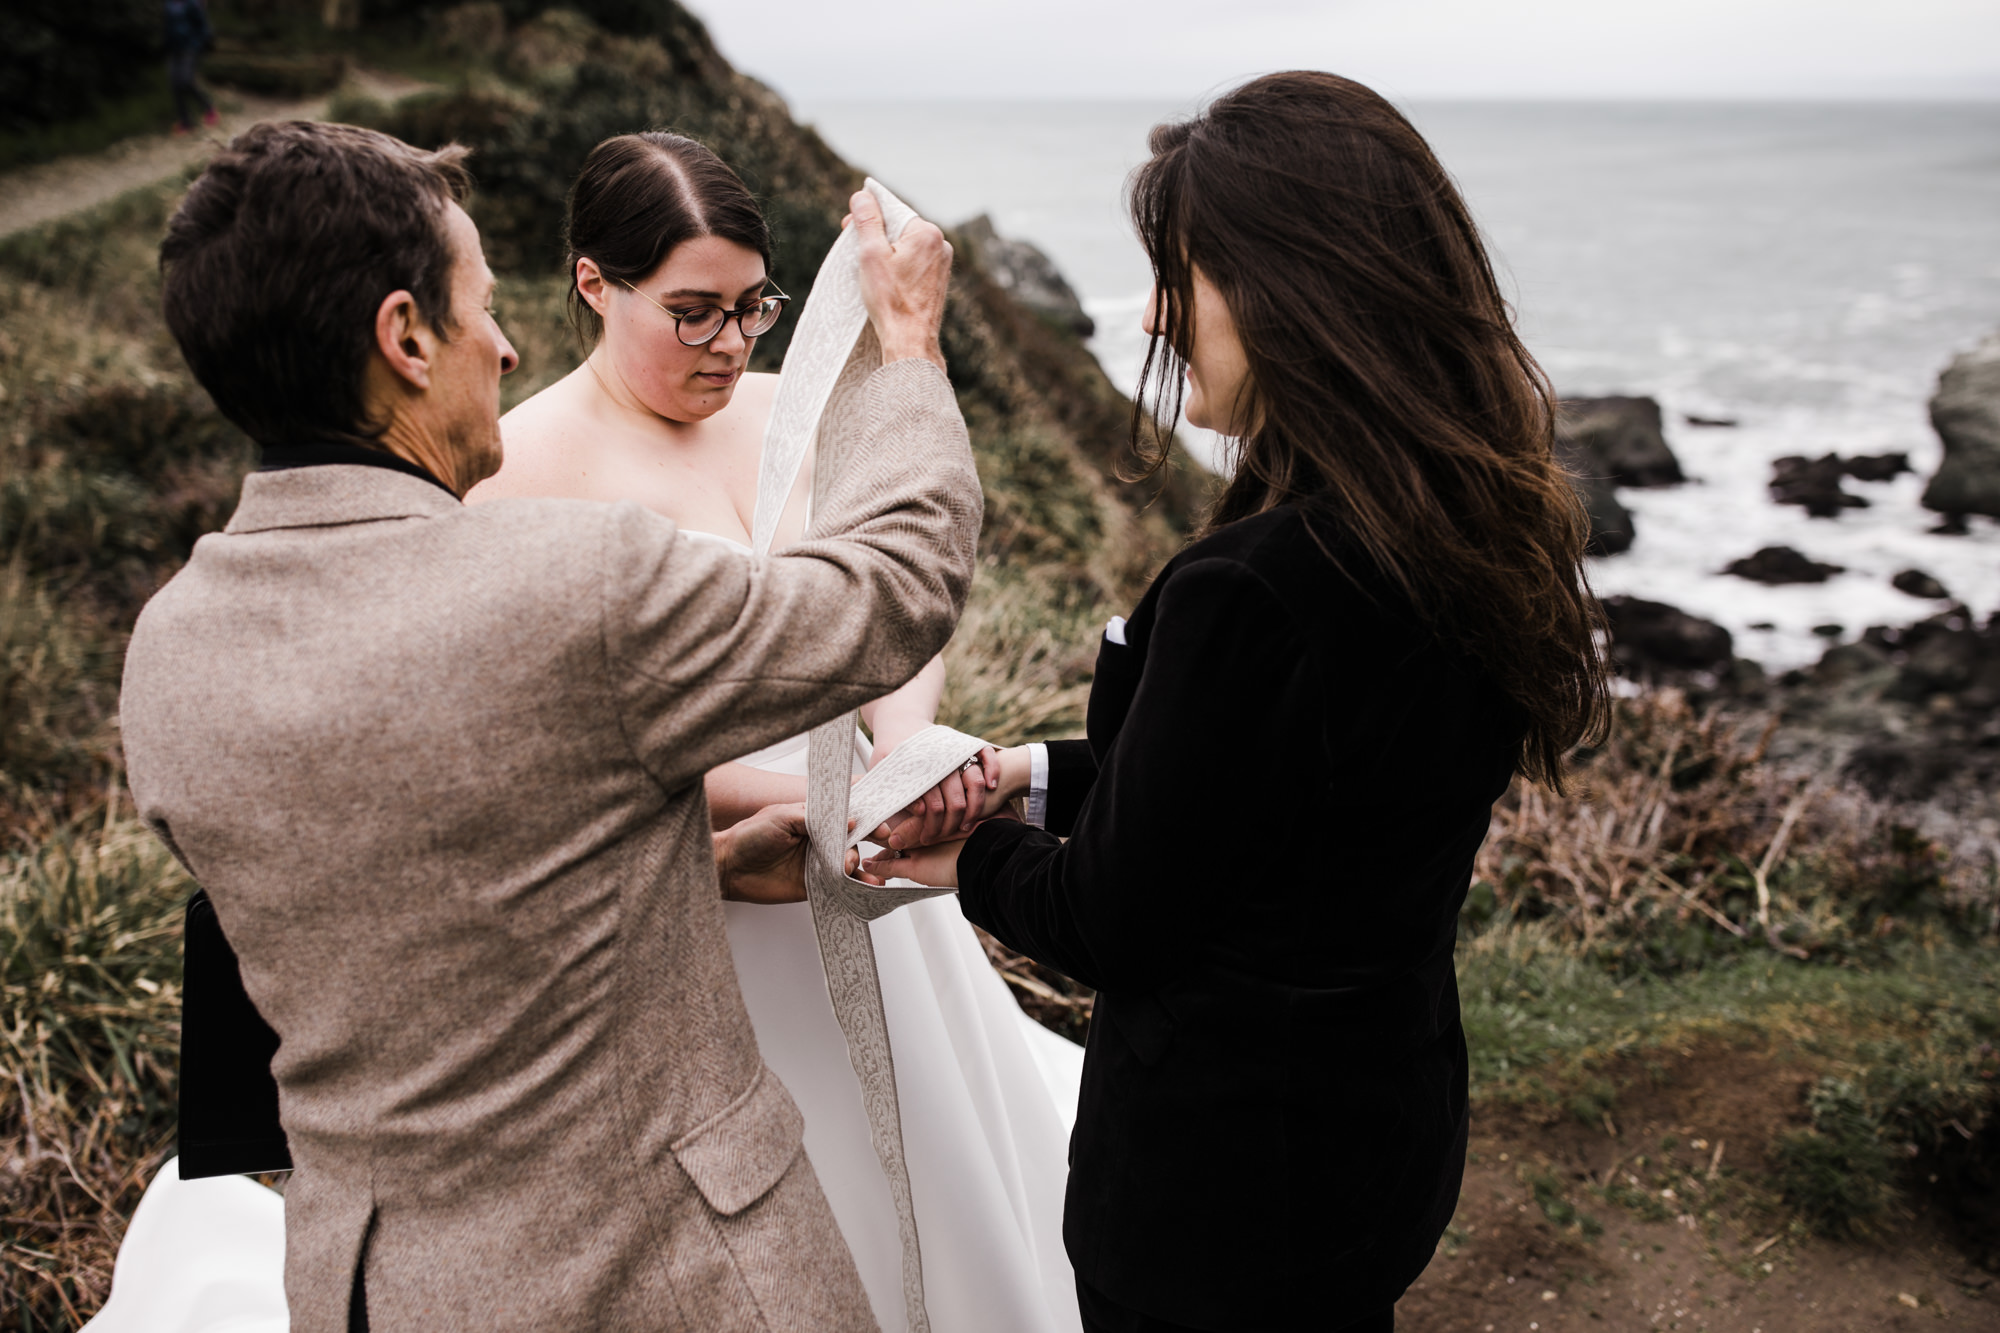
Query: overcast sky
<point x="825" y="50"/>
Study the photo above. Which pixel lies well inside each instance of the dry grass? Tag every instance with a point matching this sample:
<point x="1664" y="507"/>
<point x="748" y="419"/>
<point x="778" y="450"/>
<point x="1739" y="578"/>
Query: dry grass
<point x="1681" y="839"/>
<point x="89" y="1024"/>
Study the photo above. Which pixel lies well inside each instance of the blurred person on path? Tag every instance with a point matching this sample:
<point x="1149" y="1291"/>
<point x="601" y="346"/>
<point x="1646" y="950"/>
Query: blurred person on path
<point x="188" y="36"/>
<point x="439" y="770"/>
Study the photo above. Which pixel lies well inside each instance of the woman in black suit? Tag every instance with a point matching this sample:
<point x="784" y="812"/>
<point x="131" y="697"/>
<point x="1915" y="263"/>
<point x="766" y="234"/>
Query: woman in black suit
<point x="1258" y="855"/>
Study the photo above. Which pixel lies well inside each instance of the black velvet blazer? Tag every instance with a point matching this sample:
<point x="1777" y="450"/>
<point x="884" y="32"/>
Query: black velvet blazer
<point x="1270" y="831"/>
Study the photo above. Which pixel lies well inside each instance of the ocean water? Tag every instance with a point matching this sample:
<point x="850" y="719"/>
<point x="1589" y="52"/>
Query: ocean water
<point x="1807" y="270"/>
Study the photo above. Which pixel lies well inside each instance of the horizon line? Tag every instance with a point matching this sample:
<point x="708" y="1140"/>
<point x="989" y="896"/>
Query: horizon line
<point x="1984" y="98"/>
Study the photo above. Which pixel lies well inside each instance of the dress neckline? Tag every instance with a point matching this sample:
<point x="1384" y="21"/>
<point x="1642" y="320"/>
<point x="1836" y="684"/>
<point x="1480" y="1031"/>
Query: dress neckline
<point x="718" y="537"/>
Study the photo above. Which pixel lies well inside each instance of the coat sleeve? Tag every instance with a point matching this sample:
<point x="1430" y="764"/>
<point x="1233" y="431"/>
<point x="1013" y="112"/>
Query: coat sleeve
<point x="711" y="653"/>
<point x="1213" y="728"/>
<point x="1072" y="773"/>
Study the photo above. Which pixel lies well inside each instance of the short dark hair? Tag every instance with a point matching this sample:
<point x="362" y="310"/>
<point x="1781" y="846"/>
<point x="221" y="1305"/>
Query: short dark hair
<point x="276" y="261"/>
<point x="640" y="195"/>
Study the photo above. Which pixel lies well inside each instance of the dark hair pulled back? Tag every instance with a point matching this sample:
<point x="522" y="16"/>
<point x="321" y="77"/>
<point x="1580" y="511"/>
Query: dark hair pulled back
<point x="640" y="195"/>
<point x="1391" y="397"/>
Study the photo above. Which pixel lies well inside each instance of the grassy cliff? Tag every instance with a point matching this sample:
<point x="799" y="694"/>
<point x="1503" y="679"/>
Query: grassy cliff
<point x="113" y="462"/>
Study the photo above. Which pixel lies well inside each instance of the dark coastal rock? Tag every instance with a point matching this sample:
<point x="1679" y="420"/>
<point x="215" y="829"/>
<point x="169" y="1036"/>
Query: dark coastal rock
<point x="1611" y="529"/>
<point x="1966" y="412"/>
<point x="1605" y="443"/>
<point x="1948" y="654"/>
<point x="1781" y="564"/>
<point x="1912" y="712"/>
<point x="1617" y="440"/>
<point x="1027" y="275"/>
<point x="1813" y="483"/>
<point x="1947" y="683"/>
<point x="1919" y="584"/>
<point x="1876" y="467"/>
<point x="1902" y="711"/>
<point x="1650" y="637"/>
<point x="1849" y="661"/>
<point x="1717" y="423"/>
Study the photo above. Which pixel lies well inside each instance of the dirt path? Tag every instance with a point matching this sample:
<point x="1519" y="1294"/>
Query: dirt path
<point x="34" y="195"/>
<point x="1654" y="1221"/>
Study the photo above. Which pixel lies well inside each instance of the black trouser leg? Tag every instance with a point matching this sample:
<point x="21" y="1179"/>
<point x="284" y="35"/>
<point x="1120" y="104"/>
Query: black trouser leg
<point x="187" y="94"/>
<point x="1101" y="1314"/>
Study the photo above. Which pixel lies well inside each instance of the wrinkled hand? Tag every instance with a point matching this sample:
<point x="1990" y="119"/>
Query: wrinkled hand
<point x="903" y="285"/>
<point x="762" y="859"/>
<point x="949" y="810"/>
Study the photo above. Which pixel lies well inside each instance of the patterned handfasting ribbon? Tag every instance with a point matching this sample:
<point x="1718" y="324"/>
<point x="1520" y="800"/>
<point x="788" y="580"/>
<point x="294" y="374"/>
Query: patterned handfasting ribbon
<point x="833" y="351"/>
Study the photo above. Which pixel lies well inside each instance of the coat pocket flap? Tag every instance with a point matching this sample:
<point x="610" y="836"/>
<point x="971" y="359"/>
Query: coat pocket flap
<point x="736" y="1156"/>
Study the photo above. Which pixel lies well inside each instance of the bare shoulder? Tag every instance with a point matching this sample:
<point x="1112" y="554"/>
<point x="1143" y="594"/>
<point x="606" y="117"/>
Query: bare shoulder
<point x="544" y="443"/>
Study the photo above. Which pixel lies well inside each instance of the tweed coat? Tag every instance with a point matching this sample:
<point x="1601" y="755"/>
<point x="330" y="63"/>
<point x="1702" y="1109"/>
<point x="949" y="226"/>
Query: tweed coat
<point x="439" y="769"/>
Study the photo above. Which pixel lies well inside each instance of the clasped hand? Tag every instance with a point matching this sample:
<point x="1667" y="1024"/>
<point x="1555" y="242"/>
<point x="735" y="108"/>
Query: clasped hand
<point x="761" y="859"/>
<point x="923" y="841"/>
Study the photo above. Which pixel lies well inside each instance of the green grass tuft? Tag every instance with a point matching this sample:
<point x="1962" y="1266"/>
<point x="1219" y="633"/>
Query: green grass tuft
<point x="1838" y="1174"/>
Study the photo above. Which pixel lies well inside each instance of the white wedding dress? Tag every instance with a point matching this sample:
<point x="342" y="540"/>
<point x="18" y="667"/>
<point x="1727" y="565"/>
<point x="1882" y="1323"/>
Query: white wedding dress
<point x="987" y="1098"/>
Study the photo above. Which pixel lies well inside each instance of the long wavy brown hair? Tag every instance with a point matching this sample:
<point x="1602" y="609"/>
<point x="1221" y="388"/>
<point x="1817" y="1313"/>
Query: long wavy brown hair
<point x="1392" y="400"/>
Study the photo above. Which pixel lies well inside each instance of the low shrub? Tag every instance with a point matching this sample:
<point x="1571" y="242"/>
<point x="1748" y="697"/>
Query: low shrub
<point x="60" y="61"/>
<point x="1680" y="842"/>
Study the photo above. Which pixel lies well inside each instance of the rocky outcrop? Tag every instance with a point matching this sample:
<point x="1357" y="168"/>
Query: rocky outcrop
<point x="1618" y="440"/>
<point x="1814" y="484"/>
<point x="1934" y="726"/>
<point x="1775" y="565"/>
<point x="1606" y="443"/>
<point x="1027" y="275"/>
<point x="1611" y="528"/>
<point x="1917" y="583"/>
<point x="1945" y="655"/>
<point x="1876" y="467"/>
<point x="1652" y="638"/>
<point x="1966" y="413"/>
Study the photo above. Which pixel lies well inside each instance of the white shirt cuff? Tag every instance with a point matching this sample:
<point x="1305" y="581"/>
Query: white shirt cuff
<point x="1038" y="785"/>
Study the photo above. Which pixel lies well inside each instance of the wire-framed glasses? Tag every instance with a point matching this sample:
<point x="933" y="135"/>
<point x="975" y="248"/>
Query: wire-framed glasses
<point x="697" y="327"/>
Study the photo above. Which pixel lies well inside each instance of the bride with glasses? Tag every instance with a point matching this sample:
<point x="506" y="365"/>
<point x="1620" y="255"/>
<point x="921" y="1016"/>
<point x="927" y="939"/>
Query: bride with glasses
<point x="669" y="263"/>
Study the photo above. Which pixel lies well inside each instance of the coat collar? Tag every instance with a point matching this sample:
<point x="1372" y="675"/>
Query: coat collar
<point x="325" y="496"/>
